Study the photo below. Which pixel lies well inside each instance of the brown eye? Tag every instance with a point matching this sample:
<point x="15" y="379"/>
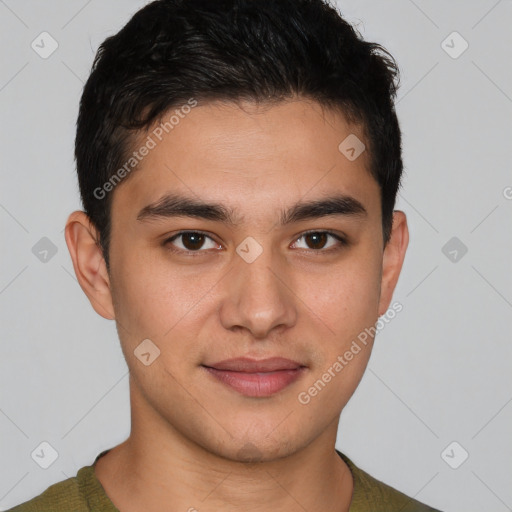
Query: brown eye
<point x="191" y="241"/>
<point x="317" y="240"/>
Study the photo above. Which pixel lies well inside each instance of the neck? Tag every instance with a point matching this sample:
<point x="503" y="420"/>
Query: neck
<point x="157" y="466"/>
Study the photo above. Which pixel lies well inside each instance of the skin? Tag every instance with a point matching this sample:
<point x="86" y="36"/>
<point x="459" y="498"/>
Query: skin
<point x="192" y="438"/>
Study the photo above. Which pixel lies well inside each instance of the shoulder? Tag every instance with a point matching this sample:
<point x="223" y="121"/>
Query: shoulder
<point x="370" y="493"/>
<point x="68" y="495"/>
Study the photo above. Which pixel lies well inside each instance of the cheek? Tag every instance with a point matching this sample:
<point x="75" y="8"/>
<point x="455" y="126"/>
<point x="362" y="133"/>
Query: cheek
<point x="348" y="305"/>
<point x="156" y="299"/>
<point x="347" y="299"/>
<point x="143" y="295"/>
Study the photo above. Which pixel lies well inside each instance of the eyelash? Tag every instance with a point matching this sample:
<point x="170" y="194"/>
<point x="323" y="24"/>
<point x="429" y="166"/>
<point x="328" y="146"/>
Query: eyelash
<point x="342" y="242"/>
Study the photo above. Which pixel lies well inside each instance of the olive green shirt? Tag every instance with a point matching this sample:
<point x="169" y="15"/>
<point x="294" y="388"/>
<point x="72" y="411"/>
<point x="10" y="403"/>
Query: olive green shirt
<point x="84" y="493"/>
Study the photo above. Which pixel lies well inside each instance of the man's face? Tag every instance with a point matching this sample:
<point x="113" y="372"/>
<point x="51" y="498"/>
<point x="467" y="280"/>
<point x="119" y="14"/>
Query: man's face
<point x="257" y="288"/>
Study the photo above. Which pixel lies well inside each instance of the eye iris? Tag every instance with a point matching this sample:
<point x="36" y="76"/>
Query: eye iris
<point x="197" y="240"/>
<point x="322" y="237"/>
<point x="194" y="241"/>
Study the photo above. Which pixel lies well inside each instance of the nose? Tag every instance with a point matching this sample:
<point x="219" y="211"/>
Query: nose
<point x="259" y="296"/>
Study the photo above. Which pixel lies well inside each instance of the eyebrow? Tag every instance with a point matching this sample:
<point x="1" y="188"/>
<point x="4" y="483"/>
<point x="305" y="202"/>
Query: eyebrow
<point x="175" y="205"/>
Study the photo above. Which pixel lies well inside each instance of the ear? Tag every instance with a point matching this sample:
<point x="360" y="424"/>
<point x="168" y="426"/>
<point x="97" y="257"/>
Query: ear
<point x="393" y="258"/>
<point x="82" y="239"/>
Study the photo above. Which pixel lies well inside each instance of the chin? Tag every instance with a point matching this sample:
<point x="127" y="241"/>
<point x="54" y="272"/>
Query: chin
<point x="252" y="451"/>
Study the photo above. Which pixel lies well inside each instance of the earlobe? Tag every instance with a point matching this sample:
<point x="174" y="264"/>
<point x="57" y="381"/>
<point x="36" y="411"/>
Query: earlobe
<point x="393" y="258"/>
<point x="89" y="264"/>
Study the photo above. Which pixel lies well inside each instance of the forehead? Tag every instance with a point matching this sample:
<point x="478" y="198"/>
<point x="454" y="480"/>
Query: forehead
<point x="251" y="157"/>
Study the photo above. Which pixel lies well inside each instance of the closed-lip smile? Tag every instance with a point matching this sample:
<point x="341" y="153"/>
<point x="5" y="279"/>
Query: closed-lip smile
<point x="256" y="377"/>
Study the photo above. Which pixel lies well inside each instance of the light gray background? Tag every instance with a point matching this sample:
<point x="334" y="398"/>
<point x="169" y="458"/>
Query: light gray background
<point x="440" y="371"/>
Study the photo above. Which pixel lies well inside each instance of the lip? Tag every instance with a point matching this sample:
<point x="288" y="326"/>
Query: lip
<point x="249" y="365"/>
<point x="256" y="378"/>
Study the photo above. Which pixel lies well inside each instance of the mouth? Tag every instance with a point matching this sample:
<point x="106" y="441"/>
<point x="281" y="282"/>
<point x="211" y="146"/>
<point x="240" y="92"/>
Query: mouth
<point x="256" y="378"/>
